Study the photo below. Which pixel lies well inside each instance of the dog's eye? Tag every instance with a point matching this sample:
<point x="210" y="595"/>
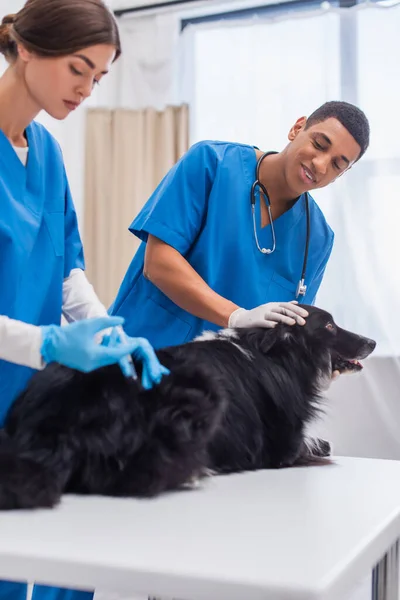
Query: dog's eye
<point x="329" y="327"/>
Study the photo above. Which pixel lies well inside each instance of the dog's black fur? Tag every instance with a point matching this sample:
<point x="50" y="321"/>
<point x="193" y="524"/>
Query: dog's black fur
<point x="238" y="401"/>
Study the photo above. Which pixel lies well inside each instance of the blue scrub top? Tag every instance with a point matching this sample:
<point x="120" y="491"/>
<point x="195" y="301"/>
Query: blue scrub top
<point x="202" y="209"/>
<point x="39" y="242"/>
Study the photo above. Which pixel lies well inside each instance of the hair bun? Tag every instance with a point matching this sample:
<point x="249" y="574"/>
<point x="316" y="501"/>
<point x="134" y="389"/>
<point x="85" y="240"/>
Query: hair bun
<point x="7" y="44"/>
<point x="8" y="19"/>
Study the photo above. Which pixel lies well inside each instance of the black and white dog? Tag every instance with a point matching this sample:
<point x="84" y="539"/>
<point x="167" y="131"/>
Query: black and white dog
<point x="235" y="400"/>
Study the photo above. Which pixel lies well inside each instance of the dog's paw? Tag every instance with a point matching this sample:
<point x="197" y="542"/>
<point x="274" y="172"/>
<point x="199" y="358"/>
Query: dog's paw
<point x="193" y="483"/>
<point x="196" y="479"/>
<point x="208" y="472"/>
<point x="319" y="447"/>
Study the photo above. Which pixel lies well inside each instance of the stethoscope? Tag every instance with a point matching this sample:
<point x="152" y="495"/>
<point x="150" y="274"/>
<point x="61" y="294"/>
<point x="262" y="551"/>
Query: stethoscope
<point x="301" y="287"/>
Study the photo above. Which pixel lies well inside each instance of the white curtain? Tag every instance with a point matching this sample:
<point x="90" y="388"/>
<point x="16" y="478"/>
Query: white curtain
<point x="128" y="152"/>
<point x="148" y="62"/>
<point x="274" y="71"/>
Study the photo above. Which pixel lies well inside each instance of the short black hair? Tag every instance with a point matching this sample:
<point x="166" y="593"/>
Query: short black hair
<point x="350" y="116"/>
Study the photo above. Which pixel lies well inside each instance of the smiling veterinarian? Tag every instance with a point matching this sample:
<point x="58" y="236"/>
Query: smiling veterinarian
<point x="215" y="251"/>
<point x="56" y="51"/>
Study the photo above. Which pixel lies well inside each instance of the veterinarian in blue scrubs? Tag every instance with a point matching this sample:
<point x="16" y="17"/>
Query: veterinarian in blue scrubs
<point x="201" y="266"/>
<point x="56" y="51"/>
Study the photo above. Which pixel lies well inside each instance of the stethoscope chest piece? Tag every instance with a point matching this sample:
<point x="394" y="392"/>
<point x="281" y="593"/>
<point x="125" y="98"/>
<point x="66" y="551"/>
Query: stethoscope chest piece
<point x="301" y="288"/>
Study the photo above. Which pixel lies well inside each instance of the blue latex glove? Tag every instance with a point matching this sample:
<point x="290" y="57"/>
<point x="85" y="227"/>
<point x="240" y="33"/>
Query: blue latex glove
<point x="75" y="346"/>
<point x="118" y="335"/>
<point x="152" y="370"/>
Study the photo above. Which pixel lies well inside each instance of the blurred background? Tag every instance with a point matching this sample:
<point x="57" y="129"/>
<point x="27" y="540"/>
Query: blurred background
<point x="244" y="71"/>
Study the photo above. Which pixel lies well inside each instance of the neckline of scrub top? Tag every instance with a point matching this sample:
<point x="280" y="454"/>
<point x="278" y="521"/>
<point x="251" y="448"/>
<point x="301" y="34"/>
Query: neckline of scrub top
<point x="31" y="174"/>
<point x="22" y="153"/>
<point x="281" y="224"/>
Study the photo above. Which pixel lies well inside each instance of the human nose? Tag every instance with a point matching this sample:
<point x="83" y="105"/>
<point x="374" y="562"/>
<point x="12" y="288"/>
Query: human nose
<point x="85" y="89"/>
<point x="321" y="163"/>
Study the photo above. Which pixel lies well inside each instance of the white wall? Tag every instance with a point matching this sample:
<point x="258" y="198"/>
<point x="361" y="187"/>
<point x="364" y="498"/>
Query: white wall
<point x="10" y="6"/>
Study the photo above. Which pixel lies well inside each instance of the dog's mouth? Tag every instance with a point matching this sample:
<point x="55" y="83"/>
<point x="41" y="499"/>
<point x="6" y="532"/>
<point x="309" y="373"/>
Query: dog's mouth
<point x="345" y="365"/>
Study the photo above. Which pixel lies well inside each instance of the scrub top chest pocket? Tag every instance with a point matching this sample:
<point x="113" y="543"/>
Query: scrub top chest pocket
<point x="54" y="223"/>
<point x="281" y="289"/>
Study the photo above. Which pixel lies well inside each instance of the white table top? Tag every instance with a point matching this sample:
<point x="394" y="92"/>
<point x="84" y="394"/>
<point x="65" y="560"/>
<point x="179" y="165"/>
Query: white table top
<point x="291" y="534"/>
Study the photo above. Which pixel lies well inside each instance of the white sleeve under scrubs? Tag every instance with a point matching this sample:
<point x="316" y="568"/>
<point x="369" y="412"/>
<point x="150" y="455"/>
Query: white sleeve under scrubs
<point x="202" y="209"/>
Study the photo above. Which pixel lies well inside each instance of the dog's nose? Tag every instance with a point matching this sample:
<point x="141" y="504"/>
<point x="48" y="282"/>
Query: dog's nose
<point x="371" y="344"/>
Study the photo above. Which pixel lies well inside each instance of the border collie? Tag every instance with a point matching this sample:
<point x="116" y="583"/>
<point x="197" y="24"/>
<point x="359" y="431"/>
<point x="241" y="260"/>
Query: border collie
<point x="235" y="400"/>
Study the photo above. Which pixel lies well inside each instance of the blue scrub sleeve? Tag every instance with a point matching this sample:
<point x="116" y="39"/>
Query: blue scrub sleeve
<point x="11" y="590"/>
<point x="73" y="250"/>
<point x="177" y="209"/>
<point x="316" y="282"/>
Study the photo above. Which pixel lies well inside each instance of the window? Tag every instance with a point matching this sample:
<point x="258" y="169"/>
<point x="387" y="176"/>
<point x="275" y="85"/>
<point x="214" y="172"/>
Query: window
<point x="251" y="78"/>
<point x="241" y="93"/>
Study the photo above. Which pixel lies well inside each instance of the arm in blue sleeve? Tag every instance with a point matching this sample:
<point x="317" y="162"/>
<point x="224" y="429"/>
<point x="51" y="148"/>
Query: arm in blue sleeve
<point x="176" y="210"/>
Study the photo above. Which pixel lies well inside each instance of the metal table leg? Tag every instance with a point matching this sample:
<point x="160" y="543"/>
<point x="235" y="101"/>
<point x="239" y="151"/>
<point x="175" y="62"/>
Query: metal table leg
<point x="385" y="576"/>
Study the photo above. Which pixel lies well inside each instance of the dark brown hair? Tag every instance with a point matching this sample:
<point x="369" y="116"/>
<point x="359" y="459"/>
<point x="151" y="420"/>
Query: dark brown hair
<point x="58" y="28"/>
<point x="349" y="115"/>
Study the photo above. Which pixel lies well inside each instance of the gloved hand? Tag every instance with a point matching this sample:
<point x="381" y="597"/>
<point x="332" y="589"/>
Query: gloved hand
<point x="268" y="315"/>
<point x="152" y="369"/>
<point x="75" y="346"/>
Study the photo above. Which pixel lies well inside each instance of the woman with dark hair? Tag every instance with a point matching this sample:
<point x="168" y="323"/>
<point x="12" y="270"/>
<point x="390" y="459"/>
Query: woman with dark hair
<point x="57" y="51"/>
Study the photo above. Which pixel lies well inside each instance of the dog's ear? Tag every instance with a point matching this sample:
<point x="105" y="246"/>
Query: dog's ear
<point x="263" y="338"/>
